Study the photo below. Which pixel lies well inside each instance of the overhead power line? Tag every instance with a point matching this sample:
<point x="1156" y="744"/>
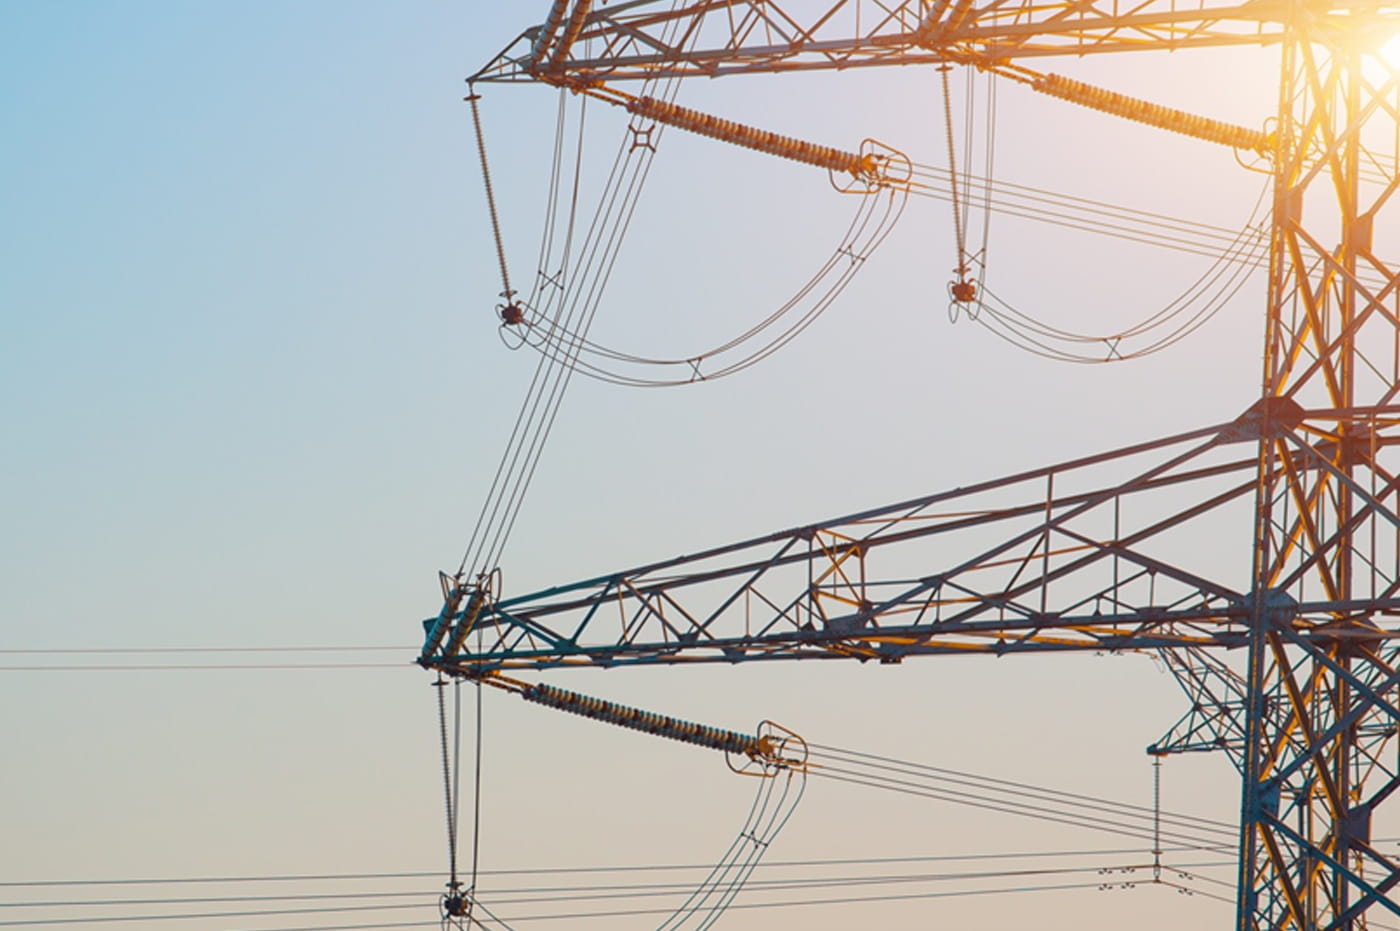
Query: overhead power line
<point x="767" y="865"/>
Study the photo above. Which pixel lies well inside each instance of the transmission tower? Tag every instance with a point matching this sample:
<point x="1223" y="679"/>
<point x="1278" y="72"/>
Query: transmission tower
<point x="1092" y="554"/>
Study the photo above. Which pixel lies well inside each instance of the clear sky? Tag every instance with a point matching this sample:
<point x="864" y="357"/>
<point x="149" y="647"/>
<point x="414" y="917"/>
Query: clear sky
<point x="253" y="397"/>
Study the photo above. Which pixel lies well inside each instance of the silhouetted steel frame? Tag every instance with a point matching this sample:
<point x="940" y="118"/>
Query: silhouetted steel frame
<point x="627" y="41"/>
<point x="1315" y="707"/>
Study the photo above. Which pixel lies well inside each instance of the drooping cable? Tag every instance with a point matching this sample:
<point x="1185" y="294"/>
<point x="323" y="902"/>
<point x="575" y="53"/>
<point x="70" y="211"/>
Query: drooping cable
<point x="608" y="365"/>
<point x="1182" y="316"/>
<point x="1235" y="253"/>
<point x="476" y="792"/>
<point x="1239" y="255"/>
<point x="841" y="863"/>
<point x="868" y="229"/>
<point x="522" y="453"/>
<point x="571" y="309"/>
<point x="1017" y="798"/>
<point x="1097" y="884"/>
<point x="596" y="884"/>
<point x="1157" y="816"/>
<point x="777" y="797"/>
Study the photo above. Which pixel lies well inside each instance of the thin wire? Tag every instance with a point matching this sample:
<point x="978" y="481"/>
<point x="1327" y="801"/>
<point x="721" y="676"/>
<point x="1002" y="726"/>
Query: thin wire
<point x="640" y="890"/>
<point x="983" y="794"/>
<point x="618" y="868"/>
<point x="988" y="169"/>
<point x="155" y="667"/>
<point x="586" y="308"/>
<point x="844" y="262"/>
<point x="526" y="424"/>
<point x="476" y="794"/>
<point x="190" y="916"/>
<point x="1157" y="816"/>
<point x="982" y="781"/>
<point x="1245" y="249"/>
<point x="1026" y="811"/>
<point x="551" y="212"/>
<point x="848" y="900"/>
<point x="620" y="913"/>
<point x="225" y="649"/>
<point x="537" y="415"/>
<point x="208" y="900"/>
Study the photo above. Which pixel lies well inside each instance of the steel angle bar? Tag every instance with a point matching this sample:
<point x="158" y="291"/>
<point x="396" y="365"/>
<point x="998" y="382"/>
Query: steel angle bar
<point x="1370" y="504"/>
<point x="844" y="600"/>
<point x="1370" y="693"/>
<point x="620" y="42"/>
<point x="1374" y="896"/>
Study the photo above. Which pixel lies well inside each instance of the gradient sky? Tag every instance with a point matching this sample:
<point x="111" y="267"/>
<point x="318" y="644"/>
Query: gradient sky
<point x="253" y="397"/>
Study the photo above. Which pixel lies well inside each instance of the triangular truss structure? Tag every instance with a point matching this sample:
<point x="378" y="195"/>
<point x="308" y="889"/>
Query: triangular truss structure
<point x="1275" y="534"/>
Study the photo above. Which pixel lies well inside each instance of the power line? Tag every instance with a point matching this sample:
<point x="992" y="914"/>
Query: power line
<point x="606" y="891"/>
<point x="219" y="649"/>
<point x="981" y="782"/>
<point x="610" y="913"/>
<point x="558" y="870"/>
<point x="844" y="900"/>
<point x="157" y="667"/>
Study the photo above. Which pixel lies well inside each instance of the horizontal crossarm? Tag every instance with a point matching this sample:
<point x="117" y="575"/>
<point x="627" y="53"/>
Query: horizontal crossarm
<point x="1100" y="553"/>
<point x="706" y="38"/>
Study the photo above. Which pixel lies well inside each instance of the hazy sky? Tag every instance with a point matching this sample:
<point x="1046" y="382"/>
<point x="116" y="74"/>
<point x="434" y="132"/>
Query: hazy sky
<point x="253" y="396"/>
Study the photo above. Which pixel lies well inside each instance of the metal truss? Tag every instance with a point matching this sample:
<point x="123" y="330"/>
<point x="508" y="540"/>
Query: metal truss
<point x="591" y="42"/>
<point x="1322" y="711"/>
<point x="1054" y="559"/>
<point x="1260" y="557"/>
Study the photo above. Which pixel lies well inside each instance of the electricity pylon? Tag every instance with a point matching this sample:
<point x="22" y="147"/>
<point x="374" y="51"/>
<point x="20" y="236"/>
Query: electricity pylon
<point x="1104" y="552"/>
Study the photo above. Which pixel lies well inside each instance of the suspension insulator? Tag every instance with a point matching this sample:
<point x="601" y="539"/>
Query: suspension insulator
<point x="646" y="721"/>
<point x="470" y="614"/>
<point x="571" y="31"/>
<point x="759" y="140"/>
<point x="437" y="628"/>
<point x="1144" y="111"/>
<point x="546" y="33"/>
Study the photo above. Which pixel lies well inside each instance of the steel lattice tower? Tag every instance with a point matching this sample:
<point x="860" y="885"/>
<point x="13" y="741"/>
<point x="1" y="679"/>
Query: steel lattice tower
<point x="1085" y="555"/>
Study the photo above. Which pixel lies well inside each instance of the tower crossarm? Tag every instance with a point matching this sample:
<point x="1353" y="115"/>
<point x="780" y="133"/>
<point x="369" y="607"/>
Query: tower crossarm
<point x="1100" y="553"/>
<point x="581" y="41"/>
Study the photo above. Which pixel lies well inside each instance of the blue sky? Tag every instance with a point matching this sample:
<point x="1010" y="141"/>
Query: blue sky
<point x="253" y="397"/>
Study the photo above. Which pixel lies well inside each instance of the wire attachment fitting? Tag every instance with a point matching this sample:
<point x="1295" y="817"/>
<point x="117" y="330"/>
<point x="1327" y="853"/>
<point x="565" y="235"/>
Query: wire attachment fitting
<point x="775" y="750"/>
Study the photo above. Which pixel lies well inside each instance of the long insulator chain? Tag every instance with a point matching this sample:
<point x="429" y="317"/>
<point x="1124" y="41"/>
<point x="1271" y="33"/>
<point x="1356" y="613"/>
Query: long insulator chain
<point x="646" y="721"/>
<point x="507" y="292"/>
<point x="476" y="602"/>
<point x="962" y="289"/>
<point x="1157" y="817"/>
<point x="452" y="594"/>
<point x="760" y="140"/>
<point x="1144" y="111"/>
<point x="453" y="884"/>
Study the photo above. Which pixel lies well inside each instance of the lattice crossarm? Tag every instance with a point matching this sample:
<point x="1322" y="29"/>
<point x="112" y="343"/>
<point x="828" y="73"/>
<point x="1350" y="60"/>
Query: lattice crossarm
<point x="702" y="38"/>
